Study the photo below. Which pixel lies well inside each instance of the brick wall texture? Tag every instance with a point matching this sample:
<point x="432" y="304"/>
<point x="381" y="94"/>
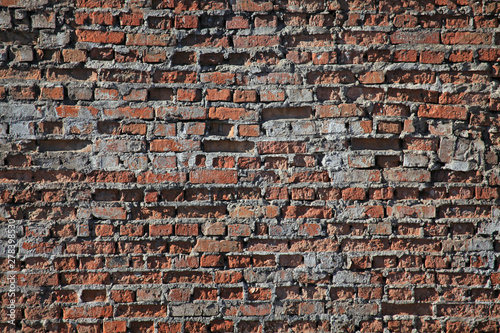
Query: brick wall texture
<point x="250" y="165"/>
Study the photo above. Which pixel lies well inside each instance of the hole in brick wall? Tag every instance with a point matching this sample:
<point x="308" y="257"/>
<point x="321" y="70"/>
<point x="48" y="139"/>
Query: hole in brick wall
<point x="286" y="113"/>
<point x="108" y="127"/>
<point x="211" y="59"/>
<point x="106" y="195"/>
<point x="64" y="145"/>
<point x="238" y="58"/>
<point x="375" y="144"/>
<point x="48" y="55"/>
<point x="211" y="21"/>
<point x="228" y="146"/>
<point x="21" y="37"/>
<point x="161" y="4"/>
<point x="387" y="161"/>
<point x="222" y="129"/>
<point x="50" y="127"/>
<point x="76" y="74"/>
<point x="160" y="22"/>
<point x="160" y="94"/>
<point x="105" y="53"/>
<point x="183" y="58"/>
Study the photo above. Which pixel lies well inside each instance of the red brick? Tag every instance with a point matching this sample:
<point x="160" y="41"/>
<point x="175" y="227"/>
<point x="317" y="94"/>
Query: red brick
<point x="150" y="40"/>
<point x="239" y="230"/>
<point x="174" y="77"/>
<point x="468" y="38"/>
<point x="186" y="229"/>
<point x="237" y="22"/>
<point x="330" y="77"/>
<point x="405" y="56"/>
<point x="249" y="130"/>
<point x="489" y="54"/>
<point x="324" y="58"/>
<point x="412" y="95"/>
<point x="174" y="145"/>
<point x="223" y="113"/>
<point x="129" y="76"/>
<point x="432" y="57"/>
<point x="245" y="96"/>
<point x="181" y="112"/>
<point x="201" y="212"/>
<point x="218" y="95"/>
<point x="410" y="37"/>
<point x="302" y="193"/>
<point x="161" y="230"/>
<point x="411" y="77"/>
<point x="354" y="194"/>
<point x="206" y="41"/>
<point x="106" y="94"/>
<point x="412" y="143"/>
<point x="114" y="326"/>
<point x="186" y="22"/>
<point x="208" y="245"/>
<point x="88" y="312"/>
<point x="306" y="212"/>
<point x="188" y="95"/>
<point x="99" y="3"/>
<point x="94" y="36"/>
<point x="25" y="74"/>
<point x="465" y="98"/>
<point x="55" y="93"/>
<point x="152" y="56"/>
<point x="364" y="38"/>
<point x="372" y="77"/>
<point x="389" y="127"/>
<point x="213" y="176"/>
<point x="405" y="21"/>
<point x="70" y="55"/>
<point x="128" y="112"/>
<point x="131" y="230"/>
<point x="341" y="110"/>
<point x="104" y="230"/>
<point x="23" y="92"/>
<point x="109" y="213"/>
<point x="132" y="19"/>
<point x="310" y="229"/>
<point x="212" y="261"/>
<point x="415" y="175"/>
<point x="255" y="41"/>
<point x="365" y="93"/>
<point x="152" y="213"/>
<point x="461" y="56"/>
<point x="442" y="112"/>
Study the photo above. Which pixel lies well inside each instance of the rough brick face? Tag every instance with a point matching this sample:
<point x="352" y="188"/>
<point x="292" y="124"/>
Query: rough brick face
<point x="250" y="166"/>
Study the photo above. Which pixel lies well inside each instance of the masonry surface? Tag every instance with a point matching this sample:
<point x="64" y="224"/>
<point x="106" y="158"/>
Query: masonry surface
<point x="250" y="166"/>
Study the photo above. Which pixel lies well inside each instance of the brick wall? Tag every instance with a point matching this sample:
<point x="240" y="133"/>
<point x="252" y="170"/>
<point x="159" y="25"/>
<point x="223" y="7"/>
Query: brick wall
<point x="250" y="165"/>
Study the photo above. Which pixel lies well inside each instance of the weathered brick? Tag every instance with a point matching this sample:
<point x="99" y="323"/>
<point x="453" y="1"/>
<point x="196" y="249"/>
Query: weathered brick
<point x="149" y="40"/>
<point x="100" y="37"/>
<point x="466" y="38"/>
<point x="442" y="112"/>
<point x="208" y="245"/>
<point x="255" y="41"/>
<point x="420" y="37"/>
<point x="207" y="145"/>
<point x="174" y="77"/>
<point x="173" y="145"/>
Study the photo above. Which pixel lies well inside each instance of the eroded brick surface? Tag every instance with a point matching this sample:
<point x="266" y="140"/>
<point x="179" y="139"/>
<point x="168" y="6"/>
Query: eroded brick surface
<point x="250" y="165"/>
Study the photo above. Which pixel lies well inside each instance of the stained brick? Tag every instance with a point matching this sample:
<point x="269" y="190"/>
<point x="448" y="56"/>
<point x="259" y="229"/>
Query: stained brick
<point x="294" y="160"/>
